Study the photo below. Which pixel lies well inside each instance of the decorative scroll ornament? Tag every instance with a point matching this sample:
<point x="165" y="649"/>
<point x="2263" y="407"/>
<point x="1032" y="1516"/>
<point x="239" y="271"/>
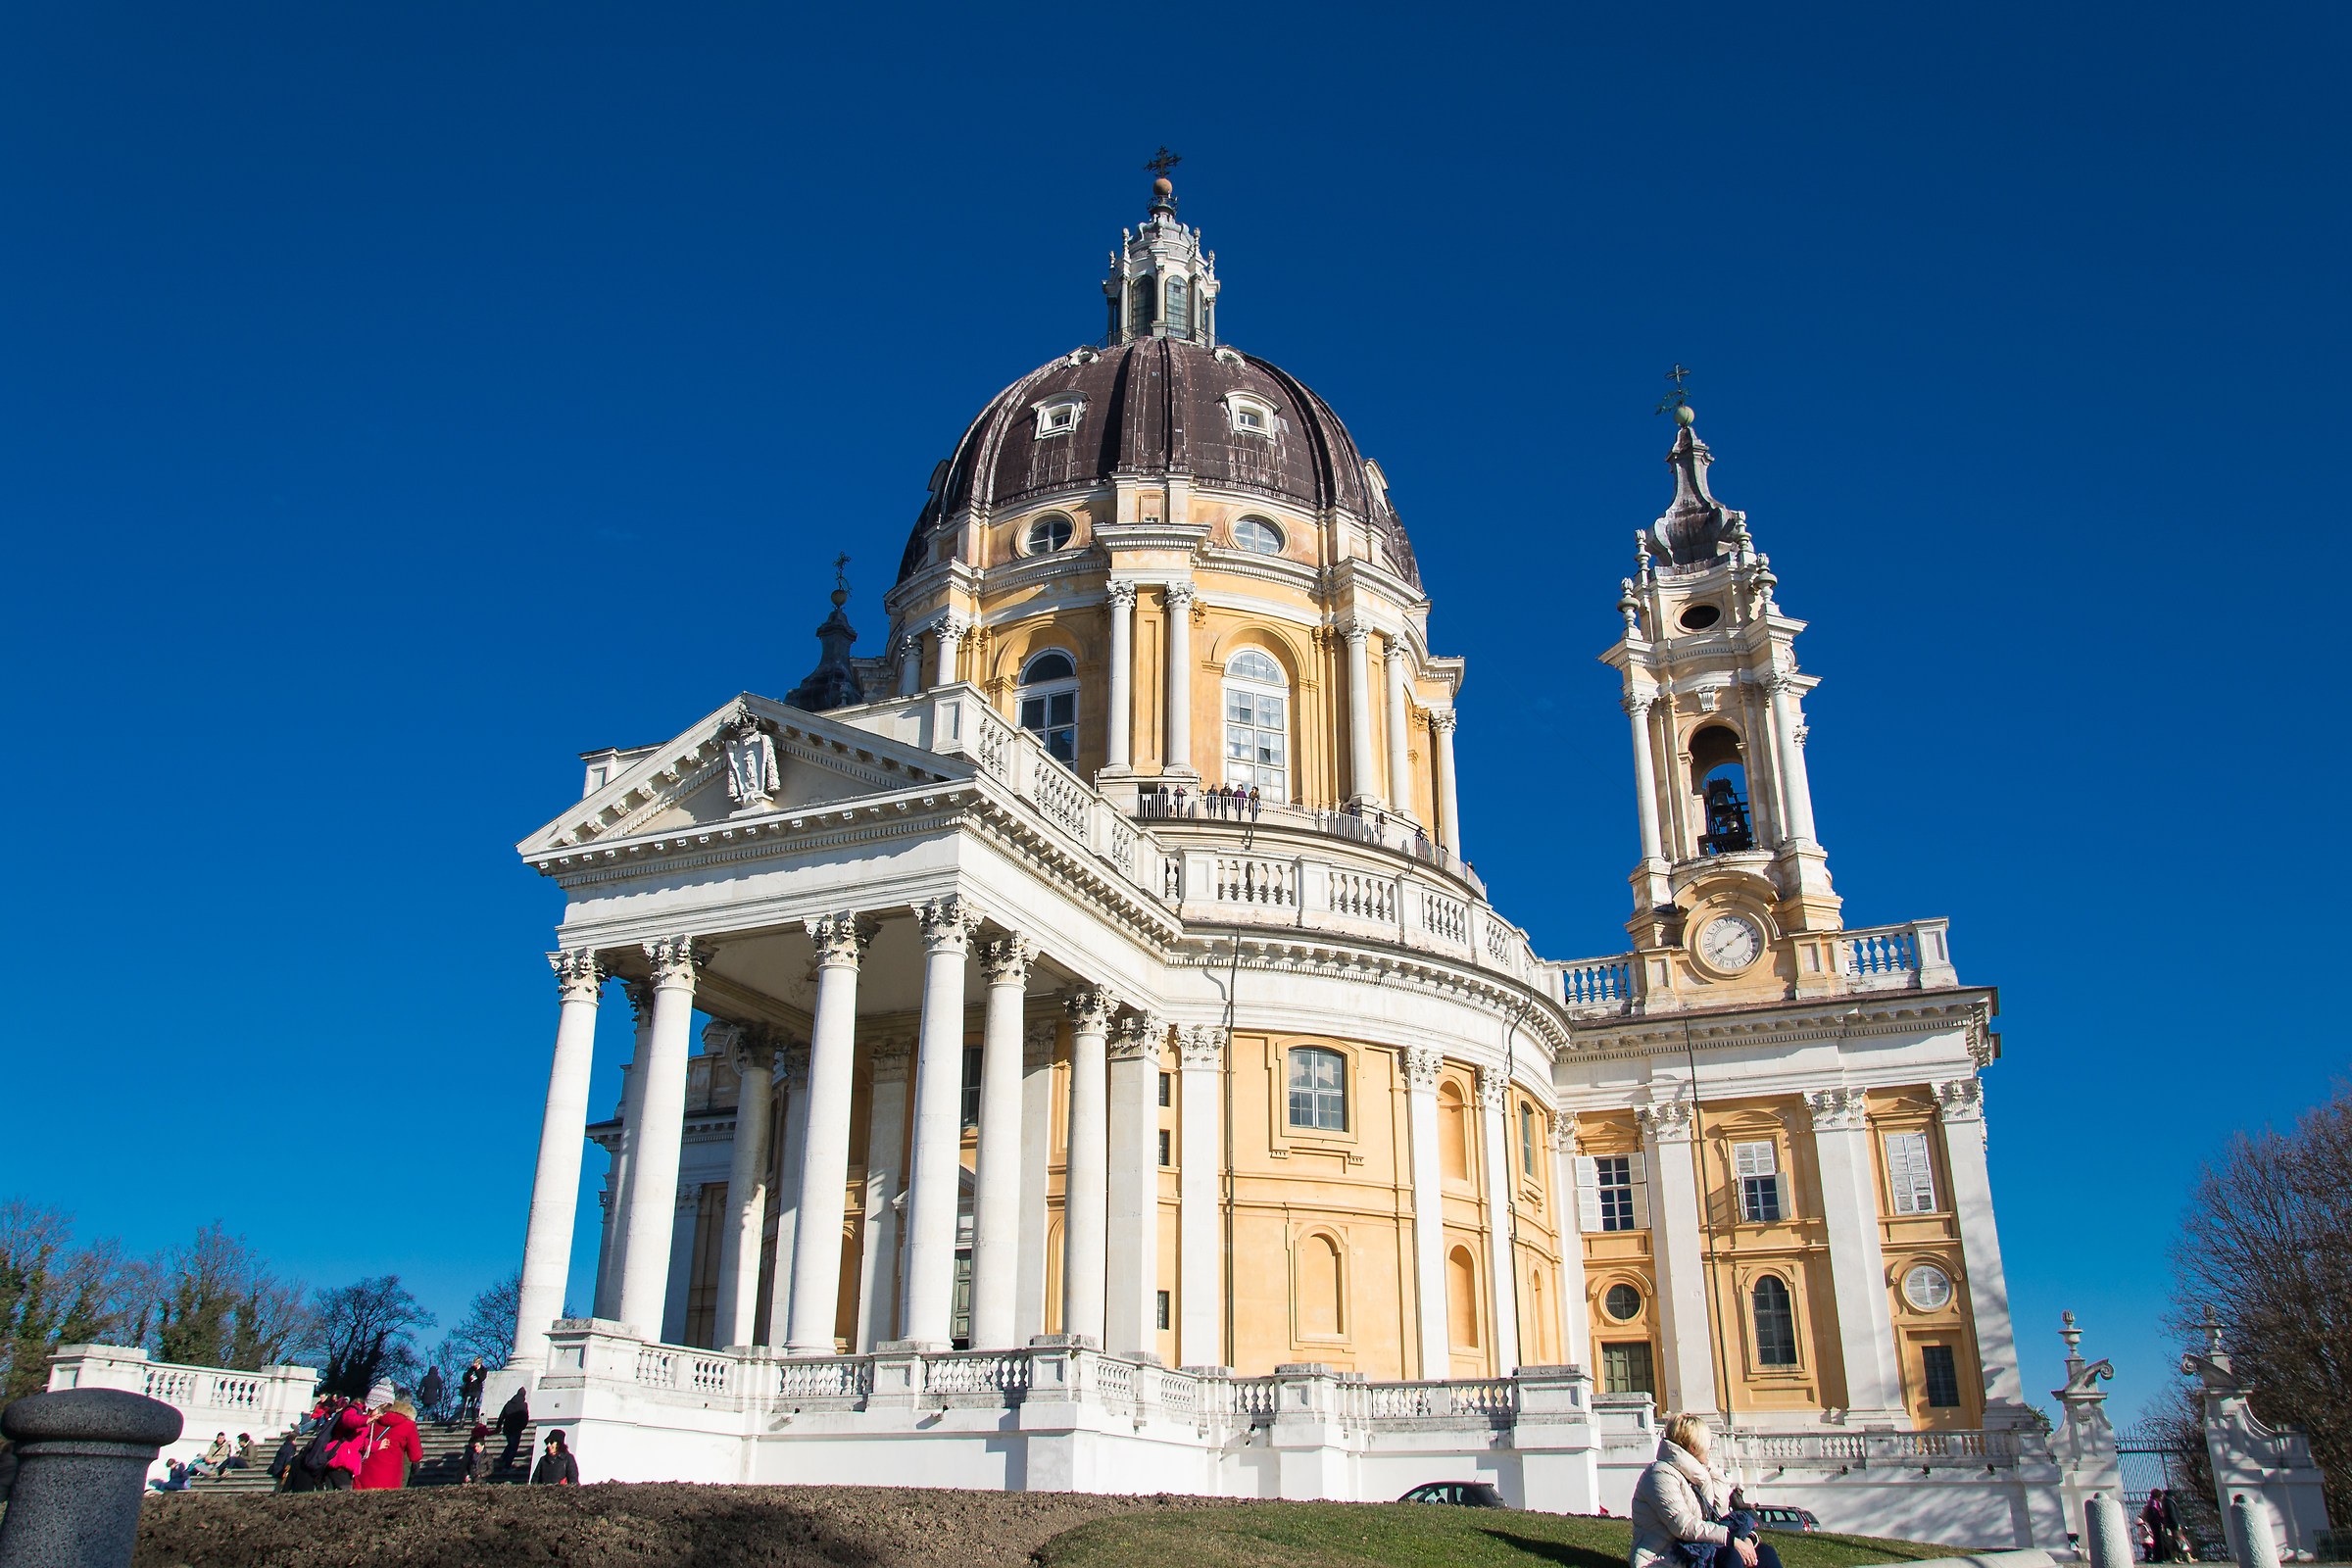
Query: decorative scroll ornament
<point x="1562" y="1137"/>
<point x="948" y="924"/>
<point x="579" y="973"/>
<point x="1091" y="1010"/>
<point x="1005" y="961"/>
<point x="1838" y="1110"/>
<point x="1960" y="1099"/>
<point x="1137" y="1037"/>
<point x="1200" y="1046"/>
<point x="1666" y="1122"/>
<point x="841" y="939"/>
<point x="1494" y="1088"/>
<point x="891" y="1059"/>
<point x="1421" y="1066"/>
<point x="641" y="1001"/>
<point x="1036" y="1045"/>
<point x="1121" y="593"/>
<point x="675" y="959"/>
<point x="753" y="778"/>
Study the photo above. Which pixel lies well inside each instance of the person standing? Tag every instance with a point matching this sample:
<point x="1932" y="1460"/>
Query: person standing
<point x="514" y="1420"/>
<point x="473" y="1465"/>
<point x="470" y="1389"/>
<point x="557" y="1467"/>
<point x="392" y="1450"/>
<point x="429" y="1393"/>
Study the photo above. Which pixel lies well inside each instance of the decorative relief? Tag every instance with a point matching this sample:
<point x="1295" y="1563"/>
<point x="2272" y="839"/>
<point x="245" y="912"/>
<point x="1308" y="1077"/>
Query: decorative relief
<point x="841" y="939"/>
<point x="952" y="628"/>
<point x="1120" y="593"/>
<point x="753" y="779"/>
<point x="1981" y="1046"/>
<point x="948" y="924"/>
<point x="1493" y="1089"/>
<point x="1036" y="1045"/>
<point x="1137" y="1037"/>
<point x="1960" y="1099"/>
<point x="1200" y="1046"/>
<point x="1091" y="1010"/>
<point x="688" y="1194"/>
<point x="579" y="973"/>
<point x="675" y="960"/>
<point x="1841" y="1109"/>
<point x="1421" y="1066"/>
<point x="891" y="1059"/>
<point x="1005" y="961"/>
<point x="1562" y="1137"/>
<point x="1666" y="1122"/>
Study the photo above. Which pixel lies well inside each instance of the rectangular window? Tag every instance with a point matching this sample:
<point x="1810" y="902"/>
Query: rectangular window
<point x="1910" y="1173"/>
<point x="1163" y="1147"/>
<point x="1613" y="1179"/>
<point x="1758" y="1168"/>
<point x="1943" y="1376"/>
<point x="1527" y="1140"/>
<point x="971" y="1086"/>
<point x="960" y="1328"/>
<point x="1160" y="1302"/>
<point x="1319" y="1085"/>
<point x="1625" y="1368"/>
<point x="1168" y="1084"/>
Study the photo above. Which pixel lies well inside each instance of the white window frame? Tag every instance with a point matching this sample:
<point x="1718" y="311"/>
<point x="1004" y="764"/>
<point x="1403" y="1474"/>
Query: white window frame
<point x="1755" y="1324"/>
<point x="1027" y="691"/>
<point x="1029" y="544"/>
<point x="1594" y="1216"/>
<point x="1281" y="540"/>
<point x="1319" y="1094"/>
<point x="1251" y="771"/>
<point x="1910" y="1173"/>
<point x="1757" y="1168"/>
<point x="1240" y="407"/>
<point x="1059" y="415"/>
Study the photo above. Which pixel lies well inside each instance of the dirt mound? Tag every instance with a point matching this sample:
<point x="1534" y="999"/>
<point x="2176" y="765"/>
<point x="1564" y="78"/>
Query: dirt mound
<point x="620" y="1526"/>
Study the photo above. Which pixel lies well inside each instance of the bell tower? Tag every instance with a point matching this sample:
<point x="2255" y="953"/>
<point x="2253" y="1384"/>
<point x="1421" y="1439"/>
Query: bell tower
<point x="1730" y="864"/>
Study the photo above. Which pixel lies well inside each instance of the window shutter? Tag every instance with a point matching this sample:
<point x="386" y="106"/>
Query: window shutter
<point x="1639" y="1166"/>
<point x="1587" y="1193"/>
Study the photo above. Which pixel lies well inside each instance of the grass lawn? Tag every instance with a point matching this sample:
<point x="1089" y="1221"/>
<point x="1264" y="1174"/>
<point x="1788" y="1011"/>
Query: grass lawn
<point x="1395" y="1535"/>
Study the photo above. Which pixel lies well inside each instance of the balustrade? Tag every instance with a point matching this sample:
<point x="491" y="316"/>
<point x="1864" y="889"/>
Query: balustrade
<point x="1361" y="897"/>
<point x="1241" y="880"/>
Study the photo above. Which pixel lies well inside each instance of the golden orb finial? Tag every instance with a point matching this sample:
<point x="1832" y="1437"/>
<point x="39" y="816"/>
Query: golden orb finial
<point x="1162" y="187"/>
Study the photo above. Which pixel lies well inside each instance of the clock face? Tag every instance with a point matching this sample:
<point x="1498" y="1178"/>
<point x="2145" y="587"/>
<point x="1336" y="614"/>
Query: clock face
<point x="1731" y="943"/>
<point x="1927" y="1288"/>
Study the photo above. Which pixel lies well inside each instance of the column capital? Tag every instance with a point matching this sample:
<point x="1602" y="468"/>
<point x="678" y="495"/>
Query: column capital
<point x="1005" y="961"/>
<point x="952" y="628"/>
<point x="641" y="1001"/>
<point x="1636" y="703"/>
<point x="1562" y="1136"/>
<point x="1120" y="592"/>
<point x="1037" y="1044"/>
<point x="675" y="960"/>
<point x="1398" y="652"/>
<point x="1091" y="1008"/>
<point x="791" y="1067"/>
<point x="1355" y="628"/>
<point x="1137" y="1036"/>
<point x="1421" y="1064"/>
<point x="1441" y="720"/>
<point x="1959" y="1099"/>
<point x="891" y="1059"/>
<point x="720" y="1037"/>
<point x="1200" y="1046"/>
<point x="1666" y="1121"/>
<point x="581" y="974"/>
<point x="753" y="1052"/>
<point x="841" y="939"/>
<point x="1179" y="595"/>
<point x="948" y="924"/>
<point x="907" y="644"/>
<point x="1837" y="1110"/>
<point x="1780" y="682"/>
<point x="1494" y="1088"/>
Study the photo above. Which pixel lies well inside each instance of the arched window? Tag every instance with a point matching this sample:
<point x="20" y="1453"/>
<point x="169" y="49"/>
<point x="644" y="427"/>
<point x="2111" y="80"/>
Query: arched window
<point x="1257" y="536"/>
<point x="1721" y="780"/>
<point x="1258" y="709"/>
<point x="1318" y="1083"/>
<point x="1139" y="303"/>
<point x="1049" y="533"/>
<point x="1320" y="1286"/>
<point x="1180" y="308"/>
<point x="1462" y="1299"/>
<point x="1454" y="1133"/>
<point x="1776" y="1323"/>
<point x="1049" y="701"/>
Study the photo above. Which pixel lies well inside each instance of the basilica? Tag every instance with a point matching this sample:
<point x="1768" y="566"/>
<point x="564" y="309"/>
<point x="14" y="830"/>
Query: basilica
<point x="1072" y="1048"/>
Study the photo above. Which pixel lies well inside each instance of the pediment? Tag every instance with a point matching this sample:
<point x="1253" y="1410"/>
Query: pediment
<point x="808" y="759"/>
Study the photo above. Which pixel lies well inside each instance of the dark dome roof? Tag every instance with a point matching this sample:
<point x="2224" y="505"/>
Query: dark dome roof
<point x="1151" y="404"/>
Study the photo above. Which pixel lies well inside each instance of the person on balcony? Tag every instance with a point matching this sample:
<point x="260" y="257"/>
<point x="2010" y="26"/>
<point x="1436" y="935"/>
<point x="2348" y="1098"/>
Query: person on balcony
<point x="1681" y="1509"/>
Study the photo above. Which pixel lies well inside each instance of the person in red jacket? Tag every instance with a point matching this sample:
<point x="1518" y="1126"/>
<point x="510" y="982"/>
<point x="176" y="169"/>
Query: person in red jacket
<point x="392" y="1448"/>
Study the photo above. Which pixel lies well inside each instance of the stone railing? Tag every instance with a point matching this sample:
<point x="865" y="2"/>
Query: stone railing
<point x="1155" y="803"/>
<point x="209" y="1399"/>
<point x="1887" y="958"/>
<point x="2001" y="1449"/>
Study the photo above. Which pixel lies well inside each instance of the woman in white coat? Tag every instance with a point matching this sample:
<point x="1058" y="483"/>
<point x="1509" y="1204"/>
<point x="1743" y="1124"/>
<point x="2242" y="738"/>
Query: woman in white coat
<point x="1681" y="1500"/>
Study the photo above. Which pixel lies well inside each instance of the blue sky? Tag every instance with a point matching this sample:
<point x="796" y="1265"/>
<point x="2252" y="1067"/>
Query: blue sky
<point x="397" y="401"/>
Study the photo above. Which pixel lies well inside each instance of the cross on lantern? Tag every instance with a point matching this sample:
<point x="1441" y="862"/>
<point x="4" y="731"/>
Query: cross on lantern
<point x="841" y="577"/>
<point x="1163" y="160"/>
<point x="1676" y="398"/>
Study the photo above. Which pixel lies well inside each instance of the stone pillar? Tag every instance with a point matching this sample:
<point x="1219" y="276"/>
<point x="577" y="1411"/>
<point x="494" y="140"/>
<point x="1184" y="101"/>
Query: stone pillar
<point x="1400" y="735"/>
<point x="1961" y="1104"/>
<point x="841" y="940"/>
<point x="2106" y="1534"/>
<point x="1674" y="1210"/>
<point x="1362" y="786"/>
<point x="1037" y="1156"/>
<point x="617" y="1178"/>
<point x="1131" y="1248"/>
<point x="1450" y="810"/>
<point x="792" y="1143"/>
<point x="556" y="1185"/>
<point x="1421" y="1066"/>
<point x="653" y="1198"/>
<point x="1788" y="753"/>
<point x="1576" y="1319"/>
<point x="1179" y="677"/>
<point x="950" y="631"/>
<point x="911" y="665"/>
<point x="878" y="1274"/>
<point x="755" y="1058"/>
<point x="82" y="1458"/>
<point x="938" y="1127"/>
<point x="678" y="1284"/>
<point x="1118" y="739"/>
<point x="1645" y="778"/>
<point x="1200" y="1160"/>
<point x="1085" y="1166"/>
<point x="997" y="1166"/>
<point x="1494" y="1106"/>
<point x="1850" y="1212"/>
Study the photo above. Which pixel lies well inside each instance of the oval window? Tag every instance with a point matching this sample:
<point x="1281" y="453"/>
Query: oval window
<point x="1050" y="533"/>
<point x="1622" y="1302"/>
<point x="1259" y="536"/>
<point x="1698" y="617"/>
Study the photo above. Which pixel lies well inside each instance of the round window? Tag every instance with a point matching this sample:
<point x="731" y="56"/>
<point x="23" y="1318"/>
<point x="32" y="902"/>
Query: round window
<point x="1049" y="533"/>
<point x="1622" y="1302"/>
<point x="1258" y="535"/>
<point x="1927" y="1287"/>
<point x="1698" y="617"/>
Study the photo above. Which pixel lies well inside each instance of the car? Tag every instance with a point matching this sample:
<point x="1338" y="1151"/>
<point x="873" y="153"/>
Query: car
<point x="1779" y="1516"/>
<point x="1461" y="1493"/>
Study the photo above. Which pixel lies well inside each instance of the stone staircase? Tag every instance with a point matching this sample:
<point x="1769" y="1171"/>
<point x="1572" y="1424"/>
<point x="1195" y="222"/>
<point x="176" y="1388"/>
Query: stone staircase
<point x="443" y="1443"/>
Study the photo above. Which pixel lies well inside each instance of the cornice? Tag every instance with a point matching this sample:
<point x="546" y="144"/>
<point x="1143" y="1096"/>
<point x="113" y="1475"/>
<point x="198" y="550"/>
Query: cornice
<point x="1360" y="962"/>
<point x="1883" y="1014"/>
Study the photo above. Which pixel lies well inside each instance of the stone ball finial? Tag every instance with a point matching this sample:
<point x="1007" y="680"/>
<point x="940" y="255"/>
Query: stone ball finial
<point x="841" y="596"/>
<point x="1163" y="188"/>
<point x="1685" y="415"/>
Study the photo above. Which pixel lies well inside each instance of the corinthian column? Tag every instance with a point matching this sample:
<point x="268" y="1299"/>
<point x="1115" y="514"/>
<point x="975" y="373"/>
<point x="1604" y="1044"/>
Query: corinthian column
<point x="1400" y="735"/>
<point x="792" y="1076"/>
<point x="841" y="940"/>
<point x="1085" y="1166"/>
<point x="616" y="1177"/>
<point x="1118" y="741"/>
<point x="997" y="1173"/>
<point x="1788" y="752"/>
<point x="556" y="1184"/>
<point x="879" y="1276"/>
<point x="1450" y="808"/>
<point x="654" y="1165"/>
<point x="1420" y="1065"/>
<point x="1362" y="786"/>
<point x="950" y="631"/>
<point x="1645" y="784"/>
<point x="754" y="1057"/>
<point x="1131" y="1250"/>
<point x="1179" y="677"/>
<point x="1494" y="1101"/>
<point x="937" y="1126"/>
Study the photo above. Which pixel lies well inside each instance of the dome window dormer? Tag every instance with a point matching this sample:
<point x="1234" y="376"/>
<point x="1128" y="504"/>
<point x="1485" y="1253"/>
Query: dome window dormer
<point x="1059" y="415"/>
<point x="1048" y="534"/>
<point x="1248" y="415"/>
<point x="1257" y="536"/>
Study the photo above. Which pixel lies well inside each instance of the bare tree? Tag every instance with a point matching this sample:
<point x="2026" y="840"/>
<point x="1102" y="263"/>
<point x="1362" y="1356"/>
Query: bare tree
<point x="52" y="1292"/>
<point x="488" y="1328"/>
<point x="216" y="1303"/>
<point x="2266" y="1244"/>
<point x="367" y="1332"/>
